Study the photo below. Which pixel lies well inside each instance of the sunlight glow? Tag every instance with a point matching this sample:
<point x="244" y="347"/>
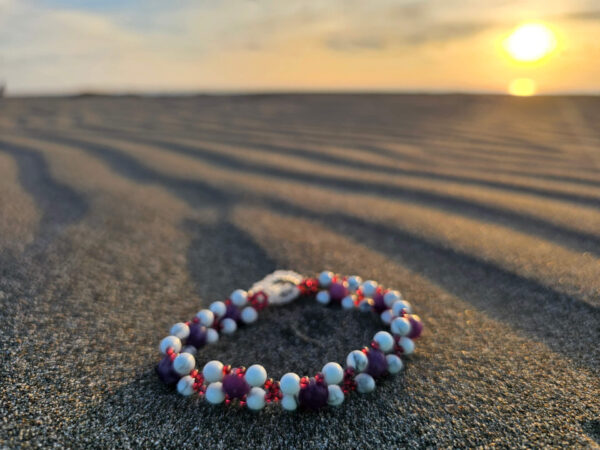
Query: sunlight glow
<point x="530" y="42"/>
<point x="522" y="87"/>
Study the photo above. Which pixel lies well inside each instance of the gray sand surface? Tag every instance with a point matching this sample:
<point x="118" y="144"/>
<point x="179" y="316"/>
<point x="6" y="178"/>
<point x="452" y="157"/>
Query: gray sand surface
<point x="122" y="216"/>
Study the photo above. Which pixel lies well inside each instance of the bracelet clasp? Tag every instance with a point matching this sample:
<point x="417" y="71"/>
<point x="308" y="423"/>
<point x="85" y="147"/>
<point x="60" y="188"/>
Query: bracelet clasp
<point x="281" y="286"/>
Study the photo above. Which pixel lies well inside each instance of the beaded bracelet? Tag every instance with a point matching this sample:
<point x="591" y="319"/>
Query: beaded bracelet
<point x="250" y="387"/>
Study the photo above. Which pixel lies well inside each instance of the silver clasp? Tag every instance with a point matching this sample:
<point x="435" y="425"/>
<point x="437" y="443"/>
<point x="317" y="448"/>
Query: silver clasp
<point x="281" y="286"/>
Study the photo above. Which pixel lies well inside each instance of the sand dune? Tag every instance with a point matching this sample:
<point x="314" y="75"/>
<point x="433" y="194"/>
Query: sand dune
<point x="121" y="216"/>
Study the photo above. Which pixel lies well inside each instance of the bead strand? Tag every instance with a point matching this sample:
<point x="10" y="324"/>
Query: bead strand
<point x="251" y="387"/>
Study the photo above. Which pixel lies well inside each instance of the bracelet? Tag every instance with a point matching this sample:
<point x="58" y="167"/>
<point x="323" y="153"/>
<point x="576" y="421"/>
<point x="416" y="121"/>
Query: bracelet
<point x="250" y="386"/>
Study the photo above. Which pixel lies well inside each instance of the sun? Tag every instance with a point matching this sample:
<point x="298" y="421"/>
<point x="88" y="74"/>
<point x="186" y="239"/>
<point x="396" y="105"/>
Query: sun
<point x="530" y="42"/>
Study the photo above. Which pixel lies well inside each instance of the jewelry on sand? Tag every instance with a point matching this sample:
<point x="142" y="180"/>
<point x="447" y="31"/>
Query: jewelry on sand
<point x="250" y="387"/>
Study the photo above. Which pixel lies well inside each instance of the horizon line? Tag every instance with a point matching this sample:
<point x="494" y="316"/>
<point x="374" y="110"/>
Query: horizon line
<point x="267" y="92"/>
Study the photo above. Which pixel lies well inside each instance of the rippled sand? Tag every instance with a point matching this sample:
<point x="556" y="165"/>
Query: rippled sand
<point x="121" y="216"/>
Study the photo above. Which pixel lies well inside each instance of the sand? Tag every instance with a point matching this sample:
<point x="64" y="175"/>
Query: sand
<point x="121" y="216"/>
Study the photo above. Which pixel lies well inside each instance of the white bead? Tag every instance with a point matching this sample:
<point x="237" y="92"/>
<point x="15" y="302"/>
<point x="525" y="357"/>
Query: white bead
<point x="185" y="385"/>
<point x="348" y="302"/>
<point x="336" y="395"/>
<point x="385" y="341"/>
<point x="212" y="335"/>
<point x="219" y="309"/>
<point x="228" y="326"/>
<point x="288" y="402"/>
<point x="239" y="297"/>
<point x="357" y="360"/>
<point x="399" y="305"/>
<point x="325" y="279"/>
<point x="181" y="330"/>
<point x="333" y="373"/>
<point x="213" y="371"/>
<point x="390" y="297"/>
<point x="387" y="316"/>
<point x="189" y="349"/>
<point x="407" y="345"/>
<point x="256" y="375"/>
<point x="394" y="364"/>
<point x="400" y="326"/>
<point x="365" y="305"/>
<point x="214" y="393"/>
<point x="290" y="383"/>
<point x="249" y="314"/>
<point x="364" y="383"/>
<point x="323" y="297"/>
<point x="170" y="341"/>
<point x="369" y="288"/>
<point x="354" y="283"/>
<point x="184" y="363"/>
<point x="256" y="399"/>
<point x="206" y="317"/>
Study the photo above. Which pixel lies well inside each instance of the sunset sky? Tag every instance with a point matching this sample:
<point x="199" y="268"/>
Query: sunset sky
<point x="65" y="46"/>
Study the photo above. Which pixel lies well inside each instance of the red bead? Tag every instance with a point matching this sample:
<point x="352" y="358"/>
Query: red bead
<point x="309" y="286"/>
<point x="398" y="350"/>
<point x="272" y="391"/>
<point x="259" y="300"/>
<point x="348" y="383"/>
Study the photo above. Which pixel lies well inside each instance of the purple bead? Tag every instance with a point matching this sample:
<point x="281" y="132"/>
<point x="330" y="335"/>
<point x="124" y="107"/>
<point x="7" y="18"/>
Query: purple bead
<point x="378" y="303"/>
<point x="337" y="291"/>
<point x="377" y="363"/>
<point x="314" y="396"/>
<point x="416" y="327"/>
<point x="232" y="312"/>
<point x="197" y="336"/>
<point x="165" y="371"/>
<point x="235" y="386"/>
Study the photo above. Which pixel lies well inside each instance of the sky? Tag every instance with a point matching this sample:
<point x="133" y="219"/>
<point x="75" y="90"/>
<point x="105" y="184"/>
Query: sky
<point x="70" y="46"/>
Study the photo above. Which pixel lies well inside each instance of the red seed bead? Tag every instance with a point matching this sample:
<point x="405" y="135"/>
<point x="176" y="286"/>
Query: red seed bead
<point x="273" y="392"/>
<point x="259" y="300"/>
<point x="195" y="320"/>
<point x="226" y="369"/>
<point x="304" y="381"/>
<point x="348" y="383"/>
<point x="398" y="350"/>
<point x="309" y="286"/>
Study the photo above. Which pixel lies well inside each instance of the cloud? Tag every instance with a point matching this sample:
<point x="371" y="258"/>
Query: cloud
<point x="345" y="43"/>
<point x="582" y="15"/>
